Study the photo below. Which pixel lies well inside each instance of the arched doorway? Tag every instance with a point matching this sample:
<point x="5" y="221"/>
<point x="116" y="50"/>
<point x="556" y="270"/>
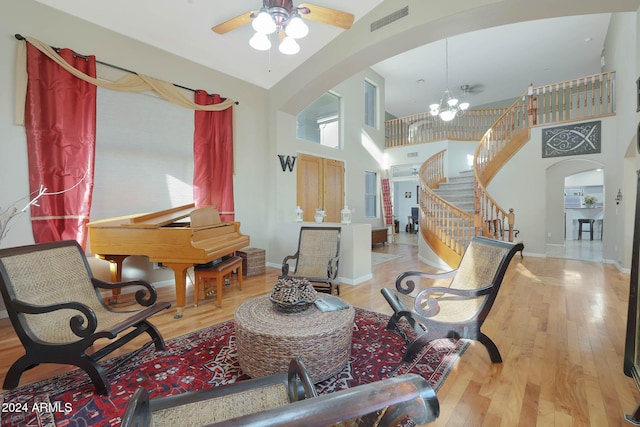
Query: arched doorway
<point x="569" y="183"/>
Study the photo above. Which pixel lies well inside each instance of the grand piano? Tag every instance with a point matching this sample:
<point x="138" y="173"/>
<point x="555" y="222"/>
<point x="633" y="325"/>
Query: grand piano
<point x="179" y="238"/>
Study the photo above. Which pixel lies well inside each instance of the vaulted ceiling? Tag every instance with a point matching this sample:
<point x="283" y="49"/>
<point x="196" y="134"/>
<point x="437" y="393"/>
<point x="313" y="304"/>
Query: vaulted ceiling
<point x="497" y="62"/>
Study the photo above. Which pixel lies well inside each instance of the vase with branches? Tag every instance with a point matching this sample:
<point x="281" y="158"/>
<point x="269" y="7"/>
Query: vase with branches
<point x="14" y="211"/>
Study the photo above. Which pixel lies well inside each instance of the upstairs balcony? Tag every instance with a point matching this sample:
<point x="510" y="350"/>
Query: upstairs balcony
<point x="572" y="100"/>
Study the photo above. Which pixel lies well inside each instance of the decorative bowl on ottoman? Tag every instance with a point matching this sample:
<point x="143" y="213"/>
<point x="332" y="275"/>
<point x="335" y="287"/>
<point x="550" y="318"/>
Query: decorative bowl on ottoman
<point x="292" y="295"/>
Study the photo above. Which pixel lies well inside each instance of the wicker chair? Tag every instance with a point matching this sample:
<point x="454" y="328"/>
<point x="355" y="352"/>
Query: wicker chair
<point x="459" y="309"/>
<point x="317" y="258"/>
<point x="56" y="310"/>
<point x="288" y="399"/>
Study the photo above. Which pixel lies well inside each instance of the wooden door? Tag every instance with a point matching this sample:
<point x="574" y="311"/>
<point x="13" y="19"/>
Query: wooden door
<point x="333" y="189"/>
<point x="320" y="184"/>
<point x="309" y="184"/>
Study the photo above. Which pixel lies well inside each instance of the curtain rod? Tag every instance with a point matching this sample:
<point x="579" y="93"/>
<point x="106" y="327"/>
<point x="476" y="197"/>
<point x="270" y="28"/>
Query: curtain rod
<point x="20" y="37"/>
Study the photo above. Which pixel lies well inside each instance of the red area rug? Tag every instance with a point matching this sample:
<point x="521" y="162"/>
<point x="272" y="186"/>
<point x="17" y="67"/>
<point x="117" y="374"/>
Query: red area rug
<point x="205" y="359"/>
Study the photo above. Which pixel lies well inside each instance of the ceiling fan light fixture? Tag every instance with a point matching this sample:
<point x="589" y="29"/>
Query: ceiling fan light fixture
<point x="284" y="18"/>
<point x="296" y="28"/>
<point x="264" y="23"/>
<point x="288" y="46"/>
<point x="260" y="41"/>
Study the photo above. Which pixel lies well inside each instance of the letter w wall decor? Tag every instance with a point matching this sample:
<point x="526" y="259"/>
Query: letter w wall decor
<point x="287" y="162"/>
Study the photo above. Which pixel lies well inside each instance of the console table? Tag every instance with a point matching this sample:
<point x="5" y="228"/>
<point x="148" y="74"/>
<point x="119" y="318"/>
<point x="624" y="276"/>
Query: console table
<point x="378" y="235"/>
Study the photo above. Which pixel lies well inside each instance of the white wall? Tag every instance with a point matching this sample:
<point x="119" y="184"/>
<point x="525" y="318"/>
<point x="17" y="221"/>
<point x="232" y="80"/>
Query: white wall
<point x="356" y="158"/>
<point x="534" y="188"/>
<point x="621" y="54"/>
<point x="582" y="179"/>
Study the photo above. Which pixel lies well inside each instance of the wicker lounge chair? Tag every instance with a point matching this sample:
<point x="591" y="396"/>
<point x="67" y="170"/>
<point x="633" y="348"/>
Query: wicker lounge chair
<point x="288" y="399"/>
<point x="317" y="258"/>
<point x="56" y="309"/>
<point x="456" y="310"/>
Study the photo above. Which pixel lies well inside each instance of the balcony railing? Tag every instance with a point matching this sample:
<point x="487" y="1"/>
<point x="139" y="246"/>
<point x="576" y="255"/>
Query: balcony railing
<point x="422" y="128"/>
<point x="578" y="99"/>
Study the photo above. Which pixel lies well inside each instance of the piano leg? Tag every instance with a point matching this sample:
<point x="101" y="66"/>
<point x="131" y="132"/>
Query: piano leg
<point x="115" y="270"/>
<point x="180" y="274"/>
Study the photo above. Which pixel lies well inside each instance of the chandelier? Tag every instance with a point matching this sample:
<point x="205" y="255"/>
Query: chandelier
<point x="449" y="106"/>
<point x="274" y="19"/>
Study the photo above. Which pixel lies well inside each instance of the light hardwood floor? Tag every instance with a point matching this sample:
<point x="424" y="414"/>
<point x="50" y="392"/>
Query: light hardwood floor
<point x="559" y="324"/>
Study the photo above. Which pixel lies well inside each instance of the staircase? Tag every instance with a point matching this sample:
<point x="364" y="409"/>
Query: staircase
<point x="454" y="210"/>
<point x="458" y="190"/>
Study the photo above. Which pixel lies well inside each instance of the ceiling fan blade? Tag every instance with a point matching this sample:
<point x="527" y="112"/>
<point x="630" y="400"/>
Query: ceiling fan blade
<point x="328" y="16"/>
<point x="472" y="89"/>
<point x="234" y="23"/>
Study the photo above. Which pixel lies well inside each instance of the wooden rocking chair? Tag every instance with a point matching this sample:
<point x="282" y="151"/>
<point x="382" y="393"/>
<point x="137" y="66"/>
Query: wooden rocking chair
<point x="459" y="309"/>
<point x="56" y="310"/>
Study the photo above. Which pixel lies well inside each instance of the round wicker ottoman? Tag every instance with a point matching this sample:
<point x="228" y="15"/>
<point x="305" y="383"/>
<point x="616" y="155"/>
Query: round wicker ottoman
<point x="267" y="339"/>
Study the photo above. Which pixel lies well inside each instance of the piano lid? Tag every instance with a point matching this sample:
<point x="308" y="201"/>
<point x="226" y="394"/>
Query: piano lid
<point x="160" y="218"/>
<point x="196" y="219"/>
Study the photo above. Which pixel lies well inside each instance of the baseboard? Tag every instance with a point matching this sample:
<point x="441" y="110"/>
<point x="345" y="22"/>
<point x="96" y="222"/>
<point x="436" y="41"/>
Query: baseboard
<point x="618" y="266"/>
<point x="533" y="254"/>
<point x="355" y="281"/>
<point x="3" y="314"/>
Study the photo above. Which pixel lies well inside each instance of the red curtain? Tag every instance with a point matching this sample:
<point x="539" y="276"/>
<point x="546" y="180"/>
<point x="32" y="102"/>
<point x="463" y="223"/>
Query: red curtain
<point x="60" y="123"/>
<point x="213" y="157"/>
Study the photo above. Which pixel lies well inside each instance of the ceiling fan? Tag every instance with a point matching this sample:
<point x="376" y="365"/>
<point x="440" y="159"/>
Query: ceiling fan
<point x="471" y="89"/>
<point x="283" y="11"/>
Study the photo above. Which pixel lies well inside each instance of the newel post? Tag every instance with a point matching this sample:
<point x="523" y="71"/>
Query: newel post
<point x="511" y="220"/>
<point x="477" y="218"/>
<point x="533" y="106"/>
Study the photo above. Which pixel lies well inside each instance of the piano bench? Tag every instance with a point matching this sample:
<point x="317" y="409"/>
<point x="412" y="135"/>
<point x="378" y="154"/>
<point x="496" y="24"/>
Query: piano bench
<point x="218" y="272"/>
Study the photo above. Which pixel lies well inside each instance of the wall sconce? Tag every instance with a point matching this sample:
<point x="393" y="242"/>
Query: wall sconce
<point x="618" y="197"/>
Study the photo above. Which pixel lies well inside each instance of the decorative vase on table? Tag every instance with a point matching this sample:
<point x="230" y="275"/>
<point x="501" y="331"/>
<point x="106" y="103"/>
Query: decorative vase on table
<point x="590" y="201"/>
<point x="319" y="216"/>
<point x="345" y="215"/>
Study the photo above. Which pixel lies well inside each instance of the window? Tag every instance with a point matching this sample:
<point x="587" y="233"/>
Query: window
<point x="370" y="103"/>
<point x="370" y="194"/>
<point x="320" y="122"/>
